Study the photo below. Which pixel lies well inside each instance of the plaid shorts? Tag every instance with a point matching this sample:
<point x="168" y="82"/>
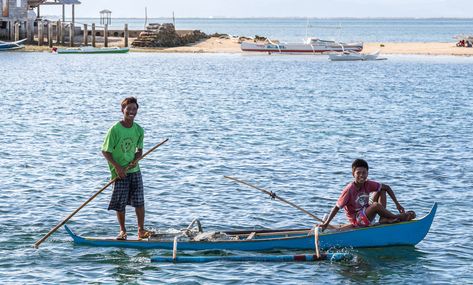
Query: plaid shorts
<point x="128" y="191"/>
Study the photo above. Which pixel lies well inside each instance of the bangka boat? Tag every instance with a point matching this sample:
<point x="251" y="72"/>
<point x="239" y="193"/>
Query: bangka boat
<point x="7" y="46"/>
<point x="403" y="233"/>
<point x="309" y="46"/>
<point x="354" y="56"/>
<point x="89" y="49"/>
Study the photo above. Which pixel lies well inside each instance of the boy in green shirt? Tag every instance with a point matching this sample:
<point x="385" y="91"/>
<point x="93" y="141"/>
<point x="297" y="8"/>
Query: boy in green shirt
<point x="122" y="145"/>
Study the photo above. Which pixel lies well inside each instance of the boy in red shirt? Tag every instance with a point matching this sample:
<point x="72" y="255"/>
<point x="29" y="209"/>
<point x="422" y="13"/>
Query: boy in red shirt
<point x="355" y="200"/>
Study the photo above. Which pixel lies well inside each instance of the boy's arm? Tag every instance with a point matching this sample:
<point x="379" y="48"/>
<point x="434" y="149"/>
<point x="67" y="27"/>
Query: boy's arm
<point x="120" y="171"/>
<point x="333" y="212"/>
<point x="390" y="192"/>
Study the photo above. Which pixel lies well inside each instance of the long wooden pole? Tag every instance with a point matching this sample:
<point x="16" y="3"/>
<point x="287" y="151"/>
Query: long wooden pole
<point x="36" y="245"/>
<point x="274" y="196"/>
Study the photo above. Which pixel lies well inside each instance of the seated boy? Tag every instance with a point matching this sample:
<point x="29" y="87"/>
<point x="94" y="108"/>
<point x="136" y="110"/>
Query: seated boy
<point x="355" y="200"/>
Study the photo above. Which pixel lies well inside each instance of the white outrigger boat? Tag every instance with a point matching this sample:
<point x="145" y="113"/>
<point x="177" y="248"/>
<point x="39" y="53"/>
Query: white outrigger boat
<point x="309" y="46"/>
<point x="89" y="49"/>
<point x="7" y="46"/>
<point x="355" y="56"/>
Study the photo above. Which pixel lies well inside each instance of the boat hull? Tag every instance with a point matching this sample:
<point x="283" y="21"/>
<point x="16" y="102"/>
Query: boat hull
<point x="404" y="233"/>
<point x="353" y="56"/>
<point x="90" y="50"/>
<point x="8" y="46"/>
<point x="299" y="48"/>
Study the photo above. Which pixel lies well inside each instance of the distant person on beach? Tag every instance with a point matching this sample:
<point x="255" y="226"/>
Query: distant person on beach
<point x="355" y="200"/>
<point x="122" y="145"/>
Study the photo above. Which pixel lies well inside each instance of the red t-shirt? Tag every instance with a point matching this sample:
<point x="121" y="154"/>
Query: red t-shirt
<point x="353" y="201"/>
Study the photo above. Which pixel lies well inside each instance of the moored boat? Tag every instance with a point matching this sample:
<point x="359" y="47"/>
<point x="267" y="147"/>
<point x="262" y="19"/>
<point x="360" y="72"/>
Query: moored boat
<point x="89" y="49"/>
<point x="354" y="56"/>
<point x="309" y="46"/>
<point x="403" y="233"/>
<point x="7" y="46"/>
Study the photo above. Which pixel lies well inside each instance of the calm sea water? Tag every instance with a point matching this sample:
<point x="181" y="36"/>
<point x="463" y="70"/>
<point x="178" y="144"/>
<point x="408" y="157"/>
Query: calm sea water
<point x="290" y="124"/>
<point x="295" y="29"/>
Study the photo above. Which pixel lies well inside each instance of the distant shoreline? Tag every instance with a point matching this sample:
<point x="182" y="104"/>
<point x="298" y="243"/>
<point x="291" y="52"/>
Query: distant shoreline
<point x="269" y="18"/>
<point x="220" y="45"/>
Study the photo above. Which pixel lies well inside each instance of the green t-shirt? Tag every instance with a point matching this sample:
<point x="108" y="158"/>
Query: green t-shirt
<point x="122" y="143"/>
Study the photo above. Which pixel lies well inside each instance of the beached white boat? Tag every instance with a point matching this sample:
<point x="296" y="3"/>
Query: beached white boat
<point x="89" y="49"/>
<point x="354" y="56"/>
<point x="7" y="46"/>
<point x="309" y="46"/>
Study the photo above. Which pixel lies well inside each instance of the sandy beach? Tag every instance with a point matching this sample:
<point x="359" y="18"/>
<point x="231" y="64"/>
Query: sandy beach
<point x="222" y="45"/>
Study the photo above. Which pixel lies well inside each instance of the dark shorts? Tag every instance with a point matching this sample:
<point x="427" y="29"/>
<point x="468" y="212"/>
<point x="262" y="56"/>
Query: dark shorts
<point x="128" y="191"/>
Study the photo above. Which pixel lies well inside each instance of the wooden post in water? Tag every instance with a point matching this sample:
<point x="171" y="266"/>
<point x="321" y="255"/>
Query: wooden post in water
<point x="86" y="35"/>
<point x="126" y="35"/>
<point x="50" y="34"/>
<point x="71" y="35"/>
<point x="17" y="31"/>
<point x="40" y="33"/>
<point x="63" y="33"/>
<point x="105" y="34"/>
<point x="11" y="30"/>
<point x="93" y="34"/>
<point x="58" y="32"/>
<point x="30" y="31"/>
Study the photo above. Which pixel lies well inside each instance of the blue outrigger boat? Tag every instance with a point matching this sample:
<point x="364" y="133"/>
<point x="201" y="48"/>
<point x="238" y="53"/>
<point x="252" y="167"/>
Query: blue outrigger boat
<point x="8" y="46"/>
<point x="403" y="233"/>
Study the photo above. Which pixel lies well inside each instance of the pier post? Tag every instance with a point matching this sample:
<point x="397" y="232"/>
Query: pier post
<point x="71" y="35"/>
<point x="126" y="35"/>
<point x="40" y="33"/>
<point x="50" y="34"/>
<point x="17" y="31"/>
<point x="105" y="34"/>
<point x="11" y="30"/>
<point x="93" y="34"/>
<point x="86" y="35"/>
<point x="30" y="31"/>
<point x="63" y="33"/>
<point x="58" y="32"/>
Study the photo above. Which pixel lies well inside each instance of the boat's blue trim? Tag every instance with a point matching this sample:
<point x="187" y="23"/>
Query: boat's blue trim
<point x="404" y="233"/>
<point x="255" y="258"/>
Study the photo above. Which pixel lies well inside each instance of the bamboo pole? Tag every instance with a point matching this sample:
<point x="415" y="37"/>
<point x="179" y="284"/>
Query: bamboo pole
<point x="274" y="196"/>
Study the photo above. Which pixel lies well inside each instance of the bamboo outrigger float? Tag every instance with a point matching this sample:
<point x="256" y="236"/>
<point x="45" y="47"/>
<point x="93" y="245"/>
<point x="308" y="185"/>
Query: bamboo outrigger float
<point x="403" y="233"/>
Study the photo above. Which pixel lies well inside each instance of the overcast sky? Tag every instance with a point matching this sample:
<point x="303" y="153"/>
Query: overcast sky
<point x="272" y="8"/>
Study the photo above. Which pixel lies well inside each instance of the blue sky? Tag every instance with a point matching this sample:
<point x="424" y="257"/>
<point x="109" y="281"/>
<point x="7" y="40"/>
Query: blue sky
<point x="273" y="8"/>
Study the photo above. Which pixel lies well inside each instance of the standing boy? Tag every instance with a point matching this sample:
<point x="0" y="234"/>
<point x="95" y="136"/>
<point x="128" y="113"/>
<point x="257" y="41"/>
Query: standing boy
<point x="355" y="200"/>
<point x="122" y="145"/>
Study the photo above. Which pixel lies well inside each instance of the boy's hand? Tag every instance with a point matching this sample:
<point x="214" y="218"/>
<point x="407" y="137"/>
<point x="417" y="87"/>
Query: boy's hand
<point x="121" y="172"/>
<point x="323" y="226"/>
<point x="400" y="208"/>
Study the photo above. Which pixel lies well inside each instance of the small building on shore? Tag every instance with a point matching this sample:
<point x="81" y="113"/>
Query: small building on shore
<point x="18" y="17"/>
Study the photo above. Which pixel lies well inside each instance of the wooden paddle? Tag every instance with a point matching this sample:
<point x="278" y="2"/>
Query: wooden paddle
<point x="274" y="196"/>
<point x="131" y="165"/>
